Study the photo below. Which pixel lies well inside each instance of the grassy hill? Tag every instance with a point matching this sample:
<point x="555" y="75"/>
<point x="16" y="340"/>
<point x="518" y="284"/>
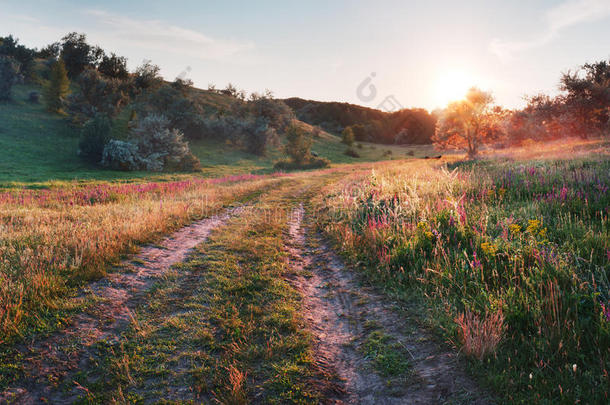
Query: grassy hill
<point x="37" y="147"/>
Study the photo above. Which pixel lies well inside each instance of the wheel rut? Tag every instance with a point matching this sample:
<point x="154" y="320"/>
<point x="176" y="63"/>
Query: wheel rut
<point x="56" y="359"/>
<point x="341" y="314"/>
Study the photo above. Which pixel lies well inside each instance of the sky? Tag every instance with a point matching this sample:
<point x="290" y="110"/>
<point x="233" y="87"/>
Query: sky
<point x="383" y="54"/>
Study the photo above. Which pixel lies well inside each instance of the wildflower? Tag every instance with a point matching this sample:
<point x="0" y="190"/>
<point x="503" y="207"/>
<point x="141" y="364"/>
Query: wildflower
<point x="489" y="249"/>
<point x="491" y="193"/>
<point x="502" y="191"/>
<point x="515" y="228"/>
<point x="531" y="376"/>
<point x="542" y="233"/>
<point x="533" y="226"/>
<point x="429" y="235"/>
<point x="574" y="367"/>
<point x="421" y="225"/>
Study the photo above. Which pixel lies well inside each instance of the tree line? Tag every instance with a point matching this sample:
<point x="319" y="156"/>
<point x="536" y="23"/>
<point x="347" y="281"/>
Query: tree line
<point x="582" y="109"/>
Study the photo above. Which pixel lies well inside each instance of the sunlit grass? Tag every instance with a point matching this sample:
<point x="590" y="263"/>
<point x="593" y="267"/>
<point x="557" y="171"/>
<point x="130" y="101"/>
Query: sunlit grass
<point x="515" y="252"/>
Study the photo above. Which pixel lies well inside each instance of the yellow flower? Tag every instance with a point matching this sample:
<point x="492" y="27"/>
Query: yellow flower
<point x="491" y="193"/>
<point x="533" y="226"/>
<point x="489" y="248"/>
<point x="502" y="191"/>
<point x="515" y="228"/>
<point x="429" y="235"/>
<point x="421" y="225"/>
<point x="542" y="233"/>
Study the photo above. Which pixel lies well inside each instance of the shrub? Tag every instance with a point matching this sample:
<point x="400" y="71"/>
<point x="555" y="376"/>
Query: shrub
<point x="121" y="155"/>
<point x="57" y="88"/>
<point x="8" y="76"/>
<point x="311" y="163"/>
<point x="348" y="136"/>
<point x="23" y="56"/>
<point x="94" y="137"/>
<point x="257" y="135"/>
<point x="34" y="97"/>
<point x="173" y="102"/>
<point x="153" y="147"/>
<point x="299" y="145"/>
<point x="98" y="94"/>
<point x="147" y="76"/>
<point x="351" y="152"/>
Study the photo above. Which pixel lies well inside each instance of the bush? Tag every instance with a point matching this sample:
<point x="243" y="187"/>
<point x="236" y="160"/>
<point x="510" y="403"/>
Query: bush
<point x="121" y="155"/>
<point x="348" y="136"/>
<point x="299" y="145"/>
<point x="351" y="152"/>
<point x="94" y="137"/>
<point x="153" y="147"/>
<point x="8" y="76"/>
<point x="311" y="163"/>
<point x="34" y="97"/>
<point x="98" y="94"/>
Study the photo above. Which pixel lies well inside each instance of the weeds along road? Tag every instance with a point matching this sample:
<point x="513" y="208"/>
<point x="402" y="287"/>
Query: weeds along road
<point x="247" y="306"/>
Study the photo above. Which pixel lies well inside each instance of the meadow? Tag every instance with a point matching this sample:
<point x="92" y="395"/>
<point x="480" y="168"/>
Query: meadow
<point x="504" y="258"/>
<point x="512" y="256"/>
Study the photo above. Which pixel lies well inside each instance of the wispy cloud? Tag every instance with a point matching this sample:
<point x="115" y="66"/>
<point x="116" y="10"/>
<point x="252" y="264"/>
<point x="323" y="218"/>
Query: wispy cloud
<point x="161" y="36"/>
<point x="567" y="14"/>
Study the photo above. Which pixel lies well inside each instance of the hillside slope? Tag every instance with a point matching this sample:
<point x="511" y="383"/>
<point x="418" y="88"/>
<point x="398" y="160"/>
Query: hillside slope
<point x="38" y="147"/>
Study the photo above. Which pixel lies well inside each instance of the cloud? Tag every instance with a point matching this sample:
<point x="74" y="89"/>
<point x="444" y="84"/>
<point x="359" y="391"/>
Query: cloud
<point x="567" y="14"/>
<point x="159" y="36"/>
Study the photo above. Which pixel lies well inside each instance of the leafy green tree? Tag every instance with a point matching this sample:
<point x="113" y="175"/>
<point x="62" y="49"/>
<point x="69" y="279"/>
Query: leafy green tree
<point x="299" y="144"/>
<point x="57" y="88"/>
<point x="347" y="136"/>
<point x="77" y="54"/>
<point x="114" y="67"/>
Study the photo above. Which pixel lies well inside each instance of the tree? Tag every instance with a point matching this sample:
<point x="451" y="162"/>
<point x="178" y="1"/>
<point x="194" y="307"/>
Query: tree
<point x="57" y="88"/>
<point x="147" y="76"/>
<point x="97" y="94"/>
<point x="467" y="123"/>
<point x="347" y="136"/>
<point x="299" y="144"/>
<point x="77" y="54"/>
<point x="8" y="75"/>
<point x="114" y="67"/>
<point x="24" y="56"/>
<point x="588" y="97"/>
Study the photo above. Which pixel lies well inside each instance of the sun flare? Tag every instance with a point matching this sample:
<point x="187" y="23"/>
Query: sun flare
<point x="452" y="85"/>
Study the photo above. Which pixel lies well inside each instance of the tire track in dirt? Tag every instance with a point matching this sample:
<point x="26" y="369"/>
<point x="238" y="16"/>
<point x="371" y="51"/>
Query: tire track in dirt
<point x="57" y="358"/>
<point x="339" y="310"/>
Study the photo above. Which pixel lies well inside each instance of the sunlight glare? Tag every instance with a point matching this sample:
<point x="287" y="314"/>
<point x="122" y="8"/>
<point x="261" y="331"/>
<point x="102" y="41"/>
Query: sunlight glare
<point x="452" y="85"/>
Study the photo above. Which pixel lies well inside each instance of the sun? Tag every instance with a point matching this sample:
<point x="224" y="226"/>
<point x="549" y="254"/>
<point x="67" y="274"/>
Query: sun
<point x="452" y="85"/>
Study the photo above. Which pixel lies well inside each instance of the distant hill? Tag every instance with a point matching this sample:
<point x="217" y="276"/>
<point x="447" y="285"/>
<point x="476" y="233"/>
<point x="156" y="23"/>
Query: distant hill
<point x="407" y="126"/>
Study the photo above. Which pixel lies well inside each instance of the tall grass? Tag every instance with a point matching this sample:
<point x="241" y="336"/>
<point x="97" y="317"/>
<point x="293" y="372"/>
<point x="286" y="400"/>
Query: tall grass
<point x="53" y="240"/>
<point x="515" y="254"/>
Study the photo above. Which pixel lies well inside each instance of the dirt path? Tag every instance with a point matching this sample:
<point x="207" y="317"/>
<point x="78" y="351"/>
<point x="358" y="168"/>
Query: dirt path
<point x="344" y="316"/>
<point x="56" y="359"/>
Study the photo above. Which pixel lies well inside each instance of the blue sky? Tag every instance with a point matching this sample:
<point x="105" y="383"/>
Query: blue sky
<point x="422" y="52"/>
